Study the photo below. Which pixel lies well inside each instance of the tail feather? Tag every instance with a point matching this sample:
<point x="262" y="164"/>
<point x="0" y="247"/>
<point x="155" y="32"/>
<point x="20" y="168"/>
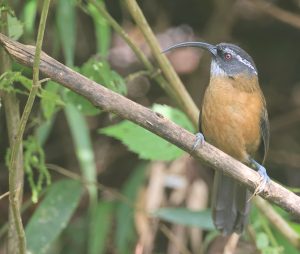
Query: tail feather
<point x="230" y="204"/>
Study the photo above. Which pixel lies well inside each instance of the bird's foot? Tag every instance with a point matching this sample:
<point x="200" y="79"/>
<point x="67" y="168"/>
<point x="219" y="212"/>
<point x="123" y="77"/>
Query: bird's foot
<point x="199" y="140"/>
<point x="264" y="178"/>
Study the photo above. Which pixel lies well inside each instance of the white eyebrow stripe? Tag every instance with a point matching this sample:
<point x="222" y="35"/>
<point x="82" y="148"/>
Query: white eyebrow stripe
<point x="242" y="60"/>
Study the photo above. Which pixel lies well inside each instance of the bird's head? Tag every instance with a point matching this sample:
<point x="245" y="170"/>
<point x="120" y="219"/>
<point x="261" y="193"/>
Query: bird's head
<point x="227" y="59"/>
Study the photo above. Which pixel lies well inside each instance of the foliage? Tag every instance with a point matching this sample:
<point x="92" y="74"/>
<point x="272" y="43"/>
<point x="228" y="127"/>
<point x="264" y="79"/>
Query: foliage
<point x="100" y="72"/>
<point x="50" y="100"/>
<point x="34" y="159"/>
<point x="15" y="27"/>
<point x="52" y="215"/>
<point x="125" y="235"/>
<point x="63" y="128"/>
<point x="268" y="239"/>
<point x="183" y="216"/>
<point x="146" y="144"/>
<point x="8" y="79"/>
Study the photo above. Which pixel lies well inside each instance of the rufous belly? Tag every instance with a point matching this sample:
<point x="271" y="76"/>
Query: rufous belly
<point x="230" y="118"/>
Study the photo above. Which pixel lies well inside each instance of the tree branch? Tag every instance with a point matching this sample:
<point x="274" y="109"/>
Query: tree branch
<point x="154" y="122"/>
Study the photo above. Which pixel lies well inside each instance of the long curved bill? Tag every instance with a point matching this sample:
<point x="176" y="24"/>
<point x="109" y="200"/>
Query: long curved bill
<point x="211" y="48"/>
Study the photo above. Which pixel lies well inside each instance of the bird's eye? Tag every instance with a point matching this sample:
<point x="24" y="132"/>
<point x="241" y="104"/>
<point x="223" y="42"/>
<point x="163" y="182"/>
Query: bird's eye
<point x="227" y="56"/>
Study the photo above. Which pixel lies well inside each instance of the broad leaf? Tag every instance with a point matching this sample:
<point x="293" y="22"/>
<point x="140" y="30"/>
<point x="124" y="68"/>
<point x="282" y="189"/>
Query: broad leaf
<point x="66" y="23"/>
<point x="125" y="233"/>
<point x="15" y="27"/>
<point x="50" y="99"/>
<point x="146" y="144"/>
<point x="101" y="227"/>
<point x="183" y="216"/>
<point x="52" y="215"/>
<point x="100" y="72"/>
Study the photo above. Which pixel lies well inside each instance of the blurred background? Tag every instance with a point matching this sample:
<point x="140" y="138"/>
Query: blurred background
<point x="114" y="187"/>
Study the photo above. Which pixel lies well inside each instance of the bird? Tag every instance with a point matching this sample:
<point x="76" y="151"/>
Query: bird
<point x="233" y="117"/>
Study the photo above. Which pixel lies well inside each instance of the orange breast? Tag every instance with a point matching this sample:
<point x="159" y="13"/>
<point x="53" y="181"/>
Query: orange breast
<point x="231" y="114"/>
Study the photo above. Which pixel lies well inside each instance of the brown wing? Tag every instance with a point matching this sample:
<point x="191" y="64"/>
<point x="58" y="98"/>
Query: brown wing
<point x="199" y="121"/>
<point x="265" y="135"/>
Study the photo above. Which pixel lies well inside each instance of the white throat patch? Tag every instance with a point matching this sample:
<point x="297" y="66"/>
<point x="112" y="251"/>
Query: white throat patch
<point x="215" y="70"/>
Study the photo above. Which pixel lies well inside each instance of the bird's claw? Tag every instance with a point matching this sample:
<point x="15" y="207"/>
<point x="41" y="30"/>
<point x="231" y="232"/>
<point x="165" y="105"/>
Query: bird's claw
<point x="199" y="139"/>
<point x="264" y="179"/>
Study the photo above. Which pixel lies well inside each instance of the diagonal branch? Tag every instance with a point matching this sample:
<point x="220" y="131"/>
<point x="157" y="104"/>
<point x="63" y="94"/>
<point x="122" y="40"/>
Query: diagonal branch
<point x="154" y="122"/>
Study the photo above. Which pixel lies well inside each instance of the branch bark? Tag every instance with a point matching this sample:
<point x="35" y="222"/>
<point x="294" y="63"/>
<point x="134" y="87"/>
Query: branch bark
<point x="154" y="122"/>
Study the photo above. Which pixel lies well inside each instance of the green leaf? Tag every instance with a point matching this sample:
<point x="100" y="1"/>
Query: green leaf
<point x="174" y="115"/>
<point x="125" y="233"/>
<point x="43" y="130"/>
<point x="100" y="72"/>
<point x="15" y="27"/>
<point x="295" y="226"/>
<point x="85" y="154"/>
<point x="76" y="234"/>
<point x="285" y="245"/>
<point x="200" y="219"/>
<point x="52" y="215"/>
<point x="146" y="144"/>
<point x="50" y="99"/>
<point x="66" y="21"/>
<point x="101" y="227"/>
<point x="29" y="15"/>
<point x="80" y="103"/>
<point x="102" y="30"/>
<point x="8" y="79"/>
<point x="83" y="147"/>
<point x="262" y="241"/>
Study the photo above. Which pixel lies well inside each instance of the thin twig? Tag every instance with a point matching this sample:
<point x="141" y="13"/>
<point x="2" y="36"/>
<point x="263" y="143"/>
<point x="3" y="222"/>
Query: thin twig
<point x="170" y="235"/>
<point x="110" y="101"/>
<point x="138" y="52"/>
<point x="24" y="118"/>
<point x="4" y="195"/>
<point x="278" y="222"/>
<point x="142" y="57"/>
<point x="231" y="244"/>
<point x="182" y="96"/>
<point x="277" y="13"/>
<point x="99" y="186"/>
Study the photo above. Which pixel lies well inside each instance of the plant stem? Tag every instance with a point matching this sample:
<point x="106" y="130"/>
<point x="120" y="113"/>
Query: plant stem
<point x="174" y="89"/>
<point x="158" y="77"/>
<point x="278" y="222"/>
<point x="138" y="52"/>
<point x="16" y="177"/>
<point x="181" y="94"/>
<point x="15" y="190"/>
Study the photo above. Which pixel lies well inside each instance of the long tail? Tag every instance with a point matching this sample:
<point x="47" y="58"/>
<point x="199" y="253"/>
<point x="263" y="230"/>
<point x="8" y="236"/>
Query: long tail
<point x="230" y="205"/>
